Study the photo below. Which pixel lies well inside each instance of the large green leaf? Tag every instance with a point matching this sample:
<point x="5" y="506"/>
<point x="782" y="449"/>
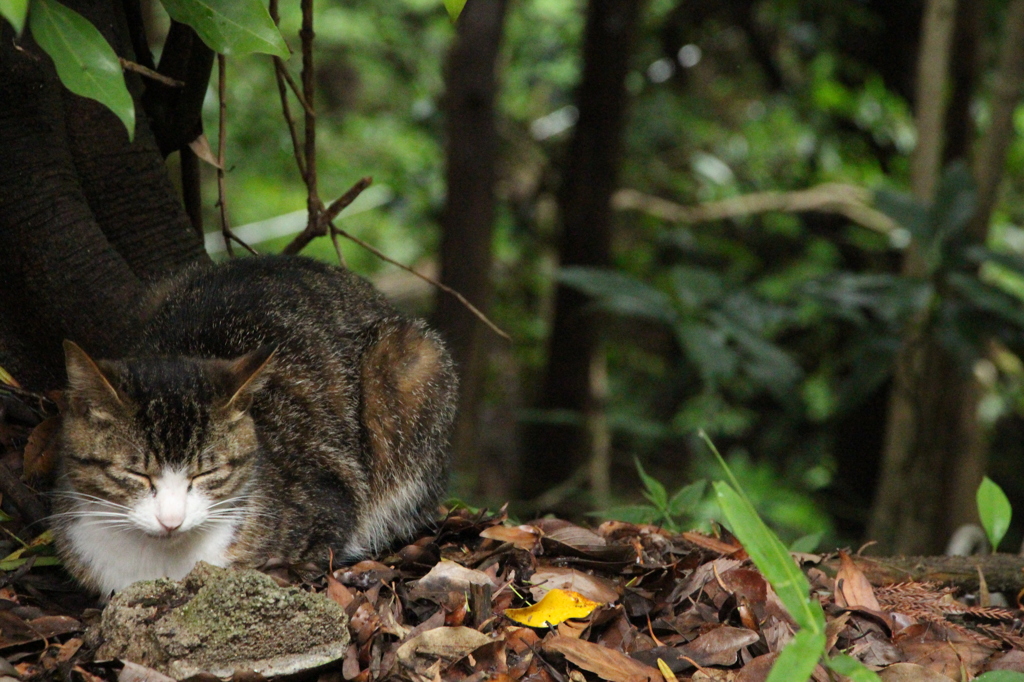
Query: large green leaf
<point x="230" y="26"/>
<point x="85" y="62"/>
<point x="14" y="11"/>
<point x="797" y="660"/>
<point x="454" y="8"/>
<point x="619" y="293"/>
<point x="994" y="510"/>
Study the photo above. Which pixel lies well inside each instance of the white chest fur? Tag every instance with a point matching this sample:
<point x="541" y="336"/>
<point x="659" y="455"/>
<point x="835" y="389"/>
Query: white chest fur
<point x="118" y="557"/>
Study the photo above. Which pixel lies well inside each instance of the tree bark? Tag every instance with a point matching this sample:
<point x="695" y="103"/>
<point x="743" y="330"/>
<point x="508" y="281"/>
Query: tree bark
<point x="936" y="451"/>
<point x="921" y="437"/>
<point x="556" y="451"/>
<point x="85" y="216"/>
<point x="468" y="220"/>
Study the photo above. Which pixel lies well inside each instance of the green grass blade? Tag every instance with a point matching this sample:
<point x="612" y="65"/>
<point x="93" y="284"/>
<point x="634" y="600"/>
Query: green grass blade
<point x="85" y="62"/>
<point x="771" y="557"/>
<point x="230" y="26"/>
<point x="797" y="660"/>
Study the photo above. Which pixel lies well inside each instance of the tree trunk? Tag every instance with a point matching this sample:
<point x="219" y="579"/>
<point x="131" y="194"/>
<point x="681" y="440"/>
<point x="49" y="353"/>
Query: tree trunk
<point x="556" y="451"/>
<point x="936" y="452"/>
<point x="468" y="219"/>
<point x="85" y="216"/>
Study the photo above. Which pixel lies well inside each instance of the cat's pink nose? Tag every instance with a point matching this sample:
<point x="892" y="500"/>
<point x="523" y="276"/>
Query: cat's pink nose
<point x="170" y="525"/>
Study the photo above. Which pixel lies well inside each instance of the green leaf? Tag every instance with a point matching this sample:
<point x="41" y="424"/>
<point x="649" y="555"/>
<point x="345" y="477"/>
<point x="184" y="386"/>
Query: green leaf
<point x="619" y="293"/>
<point x="994" y="510"/>
<point x="807" y="543"/>
<point x="14" y="11"/>
<point x="85" y="62"/>
<point x="799" y="657"/>
<point x="767" y="552"/>
<point x="852" y="668"/>
<point x="454" y="8"/>
<point x="656" y="492"/>
<point x="1000" y="676"/>
<point x="230" y="26"/>
<point x="687" y="498"/>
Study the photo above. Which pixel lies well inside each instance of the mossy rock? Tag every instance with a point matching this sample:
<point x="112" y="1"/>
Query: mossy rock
<point x="218" y="621"/>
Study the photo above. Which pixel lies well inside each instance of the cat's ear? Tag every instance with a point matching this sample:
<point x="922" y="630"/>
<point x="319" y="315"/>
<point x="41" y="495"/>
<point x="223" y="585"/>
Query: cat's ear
<point x="89" y="389"/>
<point x="246" y="376"/>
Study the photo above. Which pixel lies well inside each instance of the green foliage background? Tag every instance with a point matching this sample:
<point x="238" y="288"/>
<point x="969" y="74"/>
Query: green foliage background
<point x="775" y="333"/>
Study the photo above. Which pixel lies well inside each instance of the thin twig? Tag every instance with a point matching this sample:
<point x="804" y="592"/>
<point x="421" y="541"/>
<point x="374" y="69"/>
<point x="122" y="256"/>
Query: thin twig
<point x="320" y="220"/>
<point x="339" y="204"/>
<point x="313" y="204"/>
<point x="286" y="111"/>
<point x="280" y="74"/>
<point x="306" y="106"/>
<point x="443" y="287"/>
<point x="225" y="229"/>
<point x="150" y="73"/>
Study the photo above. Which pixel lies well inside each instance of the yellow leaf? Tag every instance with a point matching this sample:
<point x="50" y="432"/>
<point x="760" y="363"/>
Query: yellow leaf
<point x="555" y="607"/>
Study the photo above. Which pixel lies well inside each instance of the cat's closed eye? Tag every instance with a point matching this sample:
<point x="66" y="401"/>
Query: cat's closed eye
<point x="139" y="477"/>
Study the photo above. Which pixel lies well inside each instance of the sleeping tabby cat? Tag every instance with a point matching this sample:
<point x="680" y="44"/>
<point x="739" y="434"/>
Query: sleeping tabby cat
<point x="274" y="407"/>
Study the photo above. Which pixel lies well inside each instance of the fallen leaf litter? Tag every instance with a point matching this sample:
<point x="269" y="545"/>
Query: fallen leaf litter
<point x="622" y="603"/>
<point x="481" y="598"/>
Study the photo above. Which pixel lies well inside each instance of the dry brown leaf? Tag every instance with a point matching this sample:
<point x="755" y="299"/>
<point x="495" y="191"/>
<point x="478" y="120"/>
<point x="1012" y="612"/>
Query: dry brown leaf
<point x="447" y="576"/>
<point x="573" y="628"/>
<point x="592" y="587"/>
<point x="757" y="669"/>
<point x="853" y="590"/>
<point x="911" y="672"/>
<point x="451" y="643"/>
<point x="201" y="148"/>
<point x="720" y="646"/>
<point x="523" y="537"/>
<point x="40" y="456"/>
<point x="713" y="544"/>
<point x="607" y="664"/>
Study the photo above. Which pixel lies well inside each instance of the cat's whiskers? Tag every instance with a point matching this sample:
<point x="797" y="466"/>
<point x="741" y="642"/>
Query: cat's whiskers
<point x="90" y="499"/>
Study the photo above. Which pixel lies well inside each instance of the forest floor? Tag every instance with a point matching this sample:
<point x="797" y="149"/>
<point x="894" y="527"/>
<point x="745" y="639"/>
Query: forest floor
<point x="478" y="598"/>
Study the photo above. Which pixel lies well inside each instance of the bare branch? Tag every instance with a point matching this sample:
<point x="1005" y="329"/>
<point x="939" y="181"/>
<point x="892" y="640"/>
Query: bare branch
<point x="279" y="72"/>
<point x="462" y="299"/>
<point x="319" y="229"/>
<point x="150" y="73"/>
<point x="847" y="200"/>
<point x="225" y="228"/>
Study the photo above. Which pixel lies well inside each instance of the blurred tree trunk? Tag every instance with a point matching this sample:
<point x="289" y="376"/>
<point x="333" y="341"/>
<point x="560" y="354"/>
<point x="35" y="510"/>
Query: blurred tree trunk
<point x="936" y="451"/>
<point x="556" y="451"/>
<point x="86" y="218"/>
<point x="468" y="219"/>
